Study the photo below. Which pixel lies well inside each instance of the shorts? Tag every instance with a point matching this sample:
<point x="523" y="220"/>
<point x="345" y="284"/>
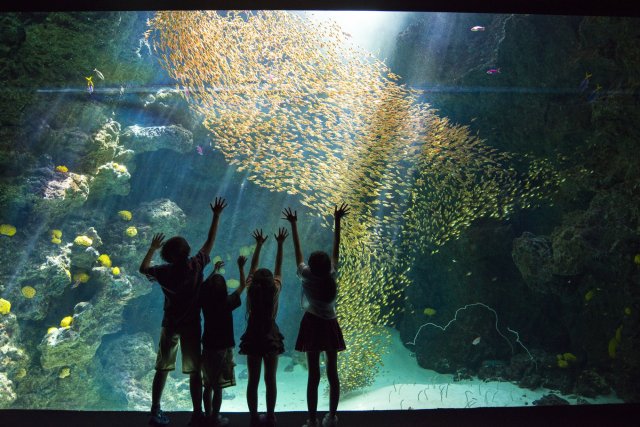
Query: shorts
<point x="189" y="347"/>
<point x="318" y="334"/>
<point x="217" y="368"/>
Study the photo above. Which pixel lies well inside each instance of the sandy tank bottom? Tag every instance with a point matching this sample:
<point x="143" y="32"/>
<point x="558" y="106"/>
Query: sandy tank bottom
<point x="400" y="384"/>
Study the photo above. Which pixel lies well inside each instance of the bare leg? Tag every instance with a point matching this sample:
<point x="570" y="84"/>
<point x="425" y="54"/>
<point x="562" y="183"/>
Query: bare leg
<point x="253" y="367"/>
<point x="217" y="402"/>
<point x="195" y="387"/>
<point x="313" y="381"/>
<point x="270" y="369"/>
<point x="334" y="381"/>
<point x="159" y="380"/>
<point x="206" y="398"/>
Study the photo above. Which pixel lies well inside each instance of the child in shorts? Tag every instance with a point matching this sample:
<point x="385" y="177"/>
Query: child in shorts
<point x="217" y="340"/>
<point x="180" y="279"/>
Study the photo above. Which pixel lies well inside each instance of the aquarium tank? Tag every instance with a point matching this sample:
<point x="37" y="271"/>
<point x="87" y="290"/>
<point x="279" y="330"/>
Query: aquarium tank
<point x="491" y="255"/>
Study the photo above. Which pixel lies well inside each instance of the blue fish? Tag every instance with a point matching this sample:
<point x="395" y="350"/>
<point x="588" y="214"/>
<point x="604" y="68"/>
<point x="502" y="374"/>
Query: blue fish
<point x="595" y="94"/>
<point x="585" y="82"/>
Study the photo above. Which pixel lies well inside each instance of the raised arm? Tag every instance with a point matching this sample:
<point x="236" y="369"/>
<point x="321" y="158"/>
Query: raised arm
<point x="280" y="238"/>
<point x="292" y="217"/>
<point x="156" y="243"/>
<point x="217" y="208"/>
<point x="243" y="281"/>
<point x="255" y="259"/>
<point x="338" y="213"/>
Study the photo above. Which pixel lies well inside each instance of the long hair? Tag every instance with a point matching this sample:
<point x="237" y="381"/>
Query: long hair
<point x="261" y="297"/>
<point x="175" y="250"/>
<point x="320" y="266"/>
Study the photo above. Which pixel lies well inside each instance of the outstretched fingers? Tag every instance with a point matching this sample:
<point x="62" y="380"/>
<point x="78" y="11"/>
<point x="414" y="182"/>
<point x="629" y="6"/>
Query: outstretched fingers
<point x="290" y="215"/>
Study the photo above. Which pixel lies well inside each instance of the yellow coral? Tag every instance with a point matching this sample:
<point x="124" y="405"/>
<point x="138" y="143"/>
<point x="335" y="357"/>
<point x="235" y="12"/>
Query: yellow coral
<point x="627" y="311"/>
<point x="569" y="357"/>
<point x="64" y="372"/>
<point x="68" y="273"/>
<point x="81" y="277"/>
<point x="7" y="229"/>
<point x="562" y="363"/>
<point x="126" y="215"/>
<point x="131" y="231"/>
<point x="51" y="329"/>
<point x="62" y="169"/>
<point x="56" y="233"/>
<point x="104" y="260"/>
<point x="429" y="311"/>
<point x="119" y="168"/>
<point x="21" y="373"/>
<point x="28" y="292"/>
<point x="5" y="306"/>
<point x="56" y="241"/>
<point x="83" y="240"/>
<point x="115" y="271"/>
<point x="66" y="321"/>
<point x="636" y="259"/>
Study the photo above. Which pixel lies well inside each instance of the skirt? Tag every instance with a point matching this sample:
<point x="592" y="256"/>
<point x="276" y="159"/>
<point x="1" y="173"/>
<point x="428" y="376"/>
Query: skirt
<point x="258" y="342"/>
<point x="318" y="334"/>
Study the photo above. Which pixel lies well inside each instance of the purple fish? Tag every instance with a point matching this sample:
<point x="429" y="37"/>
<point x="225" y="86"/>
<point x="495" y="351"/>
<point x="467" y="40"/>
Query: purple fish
<point x="199" y="150"/>
<point x="90" y="89"/>
<point x="493" y="71"/>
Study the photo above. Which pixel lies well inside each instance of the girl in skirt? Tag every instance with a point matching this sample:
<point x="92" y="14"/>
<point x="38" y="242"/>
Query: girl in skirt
<point x="319" y="329"/>
<point x="262" y="340"/>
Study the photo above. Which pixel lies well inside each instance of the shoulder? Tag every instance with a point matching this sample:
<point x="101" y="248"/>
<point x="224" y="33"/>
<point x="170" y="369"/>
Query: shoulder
<point x="303" y="269"/>
<point x="200" y="259"/>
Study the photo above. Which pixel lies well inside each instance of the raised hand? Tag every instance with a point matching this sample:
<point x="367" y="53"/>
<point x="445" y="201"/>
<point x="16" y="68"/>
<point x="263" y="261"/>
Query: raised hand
<point x="282" y="235"/>
<point x="156" y="242"/>
<point x="340" y="212"/>
<point x="218" y="265"/>
<point x="260" y="238"/>
<point x="218" y="205"/>
<point x="241" y="261"/>
<point x="289" y="215"/>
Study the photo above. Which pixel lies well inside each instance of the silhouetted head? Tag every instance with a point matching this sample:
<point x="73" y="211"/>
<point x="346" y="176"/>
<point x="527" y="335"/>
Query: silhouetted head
<point x="261" y="294"/>
<point x="320" y="263"/>
<point x="176" y="250"/>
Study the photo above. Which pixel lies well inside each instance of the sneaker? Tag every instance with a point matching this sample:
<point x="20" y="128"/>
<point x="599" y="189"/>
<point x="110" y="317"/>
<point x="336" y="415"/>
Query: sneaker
<point x="158" y="418"/>
<point x="329" y="421"/>
<point x="197" y="419"/>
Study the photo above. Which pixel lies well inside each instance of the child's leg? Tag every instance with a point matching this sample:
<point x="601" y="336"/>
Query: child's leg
<point x="206" y="399"/>
<point x="270" y="369"/>
<point x="334" y="381"/>
<point x="313" y="365"/>
<point x="217" y="401"/>
<point x="159" y="380"/>
<point x="195" y="387"/>
<point x="253" y="368"/>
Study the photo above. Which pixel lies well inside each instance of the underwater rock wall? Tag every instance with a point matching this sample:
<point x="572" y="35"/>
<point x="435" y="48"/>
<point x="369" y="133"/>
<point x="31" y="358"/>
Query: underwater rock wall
<point x="577" y="260"/>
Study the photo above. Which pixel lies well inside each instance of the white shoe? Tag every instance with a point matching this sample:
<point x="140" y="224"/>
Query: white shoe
<point x="329" y="421"/>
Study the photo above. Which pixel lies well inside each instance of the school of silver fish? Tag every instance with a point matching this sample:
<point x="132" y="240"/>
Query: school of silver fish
<point x="302" y="109"/>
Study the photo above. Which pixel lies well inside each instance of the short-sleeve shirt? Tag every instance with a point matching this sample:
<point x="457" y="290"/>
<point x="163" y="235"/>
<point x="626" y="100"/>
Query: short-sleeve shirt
<point x="181" y="285"/>
<point x="217" y="307"/>
<point x="319" y="297"/>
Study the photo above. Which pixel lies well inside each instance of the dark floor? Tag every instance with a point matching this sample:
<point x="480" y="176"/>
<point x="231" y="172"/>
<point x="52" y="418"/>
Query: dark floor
<point x="627" y="415"/>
